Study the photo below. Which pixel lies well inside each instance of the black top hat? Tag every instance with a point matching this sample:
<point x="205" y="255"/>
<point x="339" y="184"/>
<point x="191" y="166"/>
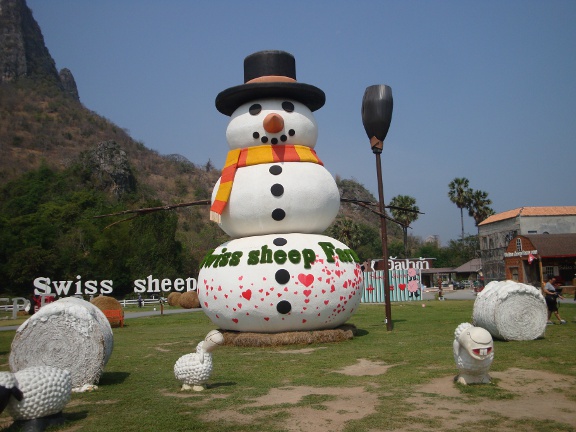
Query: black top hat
<point x="269" y="74"/>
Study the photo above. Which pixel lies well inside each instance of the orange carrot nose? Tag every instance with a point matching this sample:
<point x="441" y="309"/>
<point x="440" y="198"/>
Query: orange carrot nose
<point x="273" y="123"/>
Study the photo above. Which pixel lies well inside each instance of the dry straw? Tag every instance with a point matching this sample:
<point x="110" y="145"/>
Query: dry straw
<point x="105" y="303"/>
<point x="247" y="339"/>
<point x="174" y="298"/>
<point x="189" y="300"/>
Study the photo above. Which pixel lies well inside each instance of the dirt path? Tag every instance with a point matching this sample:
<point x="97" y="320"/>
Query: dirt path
<point x="534" y="395"/>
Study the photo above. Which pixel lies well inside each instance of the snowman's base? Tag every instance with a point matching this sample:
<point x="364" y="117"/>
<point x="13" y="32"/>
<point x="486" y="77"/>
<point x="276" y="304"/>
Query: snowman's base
<point x="249" y="339"/>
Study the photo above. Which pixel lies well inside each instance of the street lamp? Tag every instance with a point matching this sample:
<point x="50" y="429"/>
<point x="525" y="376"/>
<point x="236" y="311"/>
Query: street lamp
<point x="377" y="105"/>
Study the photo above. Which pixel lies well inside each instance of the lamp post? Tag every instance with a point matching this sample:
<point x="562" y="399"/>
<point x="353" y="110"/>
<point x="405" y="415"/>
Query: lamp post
<point x="377" y="105"/>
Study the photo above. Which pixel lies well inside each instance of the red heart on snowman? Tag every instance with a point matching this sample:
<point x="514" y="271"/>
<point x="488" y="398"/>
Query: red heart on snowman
<point x="247" y="294"/>
<point x="306" y="280"/>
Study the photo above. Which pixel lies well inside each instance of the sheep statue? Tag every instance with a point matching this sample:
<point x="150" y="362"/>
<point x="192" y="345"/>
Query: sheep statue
<point x="194" y="369"/>
<point x="36" y="396"/>
<point x="473" y="354"/>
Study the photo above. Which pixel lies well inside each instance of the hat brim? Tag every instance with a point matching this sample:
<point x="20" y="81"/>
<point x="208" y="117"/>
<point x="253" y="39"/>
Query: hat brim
<point x="228" y="100"/>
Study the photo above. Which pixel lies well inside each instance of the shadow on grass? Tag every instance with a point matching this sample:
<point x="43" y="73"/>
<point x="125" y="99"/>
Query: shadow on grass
<point x="223" y="384"/>
<point x="360" y="332"/>
<point x="44" y="423"/>
<point x="109" y="378"/>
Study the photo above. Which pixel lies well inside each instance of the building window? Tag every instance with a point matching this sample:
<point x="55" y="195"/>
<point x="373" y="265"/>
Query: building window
<point x="548" y="271"/>
<point x="532" y="232"/>
<point x="514" y="273"/>
<point x="518" y="245"/>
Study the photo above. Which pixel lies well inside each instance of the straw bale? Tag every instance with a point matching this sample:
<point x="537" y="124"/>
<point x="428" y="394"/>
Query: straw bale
<point x="189" y="300"/>
<point x="249" y="339"/>
<point x="174" y="298"/>
<point x="104" y="303"/>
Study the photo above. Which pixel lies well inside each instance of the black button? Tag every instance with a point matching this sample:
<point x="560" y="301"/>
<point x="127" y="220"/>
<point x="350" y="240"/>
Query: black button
<point x="282" y="276"/>
<point x="280" y="241"/>
<point x="278" y="214"/>
<point x="275" y="169"/>
<point x="283" y="307"/>
<point x="277" y="190"/>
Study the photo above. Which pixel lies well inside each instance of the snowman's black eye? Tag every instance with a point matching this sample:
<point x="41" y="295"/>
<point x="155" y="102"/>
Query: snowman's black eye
<point x="287" y="106"/>
<point x="255" y="109"/>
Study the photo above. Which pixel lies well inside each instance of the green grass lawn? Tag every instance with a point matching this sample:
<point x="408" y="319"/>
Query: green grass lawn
<point x="138" y="391"/>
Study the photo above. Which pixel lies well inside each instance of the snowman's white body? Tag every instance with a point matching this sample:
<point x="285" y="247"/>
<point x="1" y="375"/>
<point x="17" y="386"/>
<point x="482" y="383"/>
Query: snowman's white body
<point x="280" y="282"/>
<point x="279" y="273"/>
<point x="310" y="200"/>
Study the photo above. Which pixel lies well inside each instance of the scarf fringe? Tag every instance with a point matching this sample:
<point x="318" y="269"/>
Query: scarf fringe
<point x="215" y="217"/>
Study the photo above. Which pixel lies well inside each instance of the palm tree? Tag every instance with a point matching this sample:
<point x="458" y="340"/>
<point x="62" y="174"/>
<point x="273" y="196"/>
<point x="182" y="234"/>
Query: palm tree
<point x="405" y="211"/>
<point x="345" y="230"/>
<point x="479" y="206"/>
<point x="459" y="194"/>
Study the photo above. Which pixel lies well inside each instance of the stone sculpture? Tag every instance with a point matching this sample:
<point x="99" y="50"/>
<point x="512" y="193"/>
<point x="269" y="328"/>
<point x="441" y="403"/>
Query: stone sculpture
<point x="473" y="354"/>
<point x="510" y="311"/>
<point x="194" y="369"/>
<point x="36" y="395"/>
<point x="69" y="333"/>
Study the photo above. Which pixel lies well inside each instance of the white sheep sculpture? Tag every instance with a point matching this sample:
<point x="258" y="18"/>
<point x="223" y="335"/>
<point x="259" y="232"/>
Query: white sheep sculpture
<point x="194" y="369"/>
<point x="473" y="354"/>
<point x="36" y="395"/>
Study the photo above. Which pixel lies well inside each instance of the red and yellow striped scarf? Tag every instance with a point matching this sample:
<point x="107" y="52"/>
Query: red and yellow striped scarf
<point x="248" y="156"/>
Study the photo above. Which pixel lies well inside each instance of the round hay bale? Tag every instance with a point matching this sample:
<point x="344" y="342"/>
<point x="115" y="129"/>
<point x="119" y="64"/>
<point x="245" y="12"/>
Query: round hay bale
<point x="510" y="311"/>
<point x="104" y="303"/>
<point x="250" y="339"/>
<point x="70" y="334"/>
<point x="174" y="298"/>
<point x="189" y="300"/>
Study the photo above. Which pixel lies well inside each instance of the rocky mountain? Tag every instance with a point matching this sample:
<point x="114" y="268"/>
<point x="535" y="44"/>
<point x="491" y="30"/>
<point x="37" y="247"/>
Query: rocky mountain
<point x="46" y="130"/>
<point x="22" y="49"/>
<point x="44" y="122"/>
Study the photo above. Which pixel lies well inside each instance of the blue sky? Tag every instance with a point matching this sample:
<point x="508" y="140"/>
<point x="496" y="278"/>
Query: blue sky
<point x="482" y="90"/>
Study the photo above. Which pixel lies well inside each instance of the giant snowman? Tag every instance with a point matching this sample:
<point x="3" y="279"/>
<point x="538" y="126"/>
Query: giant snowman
<point x="275" y="198"/>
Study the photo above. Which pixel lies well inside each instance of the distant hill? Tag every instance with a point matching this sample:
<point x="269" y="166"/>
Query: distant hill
<point x="44" y="126"/>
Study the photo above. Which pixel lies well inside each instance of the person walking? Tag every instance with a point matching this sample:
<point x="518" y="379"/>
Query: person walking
<point x="551" y="295"/>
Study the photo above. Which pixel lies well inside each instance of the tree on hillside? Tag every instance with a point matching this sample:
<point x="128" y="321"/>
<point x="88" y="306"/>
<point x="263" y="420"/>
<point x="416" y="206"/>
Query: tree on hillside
<point x="479" y="206"/>
<point x="345" y="230"/>
<point x="405" y="211"/>
<point x="459" y="194"/>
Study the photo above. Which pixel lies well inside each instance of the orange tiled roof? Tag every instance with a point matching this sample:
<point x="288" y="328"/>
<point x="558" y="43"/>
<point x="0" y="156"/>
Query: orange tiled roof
<point x="531" y="211"/>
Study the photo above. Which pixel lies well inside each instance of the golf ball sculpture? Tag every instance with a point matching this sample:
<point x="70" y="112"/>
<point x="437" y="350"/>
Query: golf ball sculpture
<point x="473" y="354"/>
<point x="275" y="199"/>
<point x="194" y="369"/>
<point x="35" y="392"/>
